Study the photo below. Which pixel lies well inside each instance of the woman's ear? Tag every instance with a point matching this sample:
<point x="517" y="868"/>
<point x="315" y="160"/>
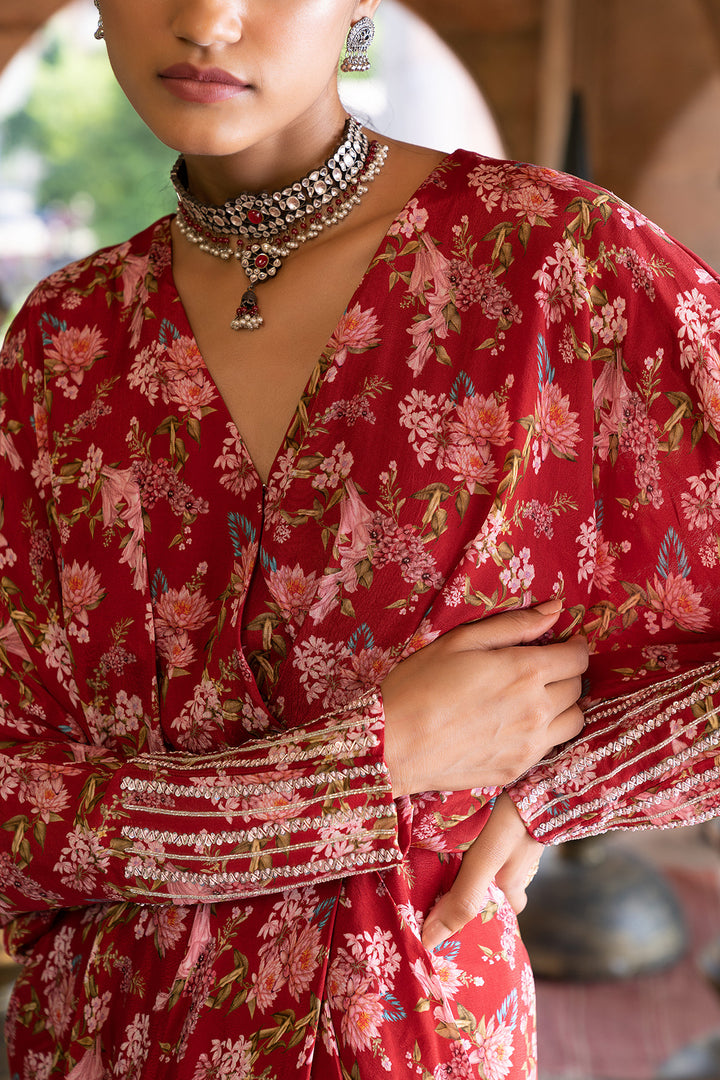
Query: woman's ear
<point x="365" y="8"/>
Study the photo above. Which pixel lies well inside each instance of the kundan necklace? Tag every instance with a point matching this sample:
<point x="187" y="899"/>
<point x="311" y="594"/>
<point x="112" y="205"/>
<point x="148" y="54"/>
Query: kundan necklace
<point x="261" y="230"/>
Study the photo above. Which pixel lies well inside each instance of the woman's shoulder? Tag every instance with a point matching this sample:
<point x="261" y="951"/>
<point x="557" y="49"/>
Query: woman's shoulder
<point x="112" y="275"/>
<point x="534" y="208"/>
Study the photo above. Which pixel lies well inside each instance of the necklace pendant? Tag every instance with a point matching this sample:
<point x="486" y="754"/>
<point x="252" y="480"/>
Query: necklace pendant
<point x="260" y="262"/>
<point x="247" y="316"/>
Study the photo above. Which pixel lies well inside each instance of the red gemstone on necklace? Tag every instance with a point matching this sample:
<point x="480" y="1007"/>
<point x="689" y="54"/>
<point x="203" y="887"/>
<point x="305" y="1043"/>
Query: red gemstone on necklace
<point x="255" y="217"/>
<point x="261" y="261"/>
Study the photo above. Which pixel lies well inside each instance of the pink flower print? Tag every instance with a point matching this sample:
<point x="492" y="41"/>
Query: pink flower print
<point x="519" y="573"/>
<point x="177" y="650"/>
<point x="73" y="351"/>
<point x="167" y="922"/>
<point x="227" y="1060"/>
<point x="134" y="272"/>
<point x="276" y="804"/>
<point x="7" y="445"/>
<point x="97" y="1011"/>
<point x="604" y="564"/>
<point x="557" y="426"/>
<point x="360" y="1007"/>
<point x="611" y="325"/>
<point x="357" y="331"/>
<point x="334" y="468"/>
<point x="293" y="591"/>
<point x="268" y="981"/>
<point x="532" y="201"/>
<point x="12" y="642"/>
<point x="412" y="220"/>
<point x="468" y="284"/>
<point x="355" y="518"/>
<point x="304" y="951"/>
<point x="471" y="465"/>
<point x="46" y="795"/>
<point x="182" y="609"/>
<point x="200" y="936"/>
<point x="182" y="358"/>
<point x="192" y="395"/>
<point x="368" y="668"/>
<point x="664" y="808"/>
<point x="81" y="590"/>
<point x="61" y="1001"/>
<point x="678" y="603"/>
<point x="497" y="1050"/>
<point x="612" y="392"/>
<point x="664" y="656"/>
<point x="118" y="487"/>
<point x="709" y="394"/>
<point x="480" y="419"/>
<point x="640" y="271"/>
<point x="90" y="1066"/>
<point x="702" y="508"/>
<point x="82" y="860"/>
<point x="404" y="548"/>
<point x="431" y="269"/>
<point x="562" y="281"/>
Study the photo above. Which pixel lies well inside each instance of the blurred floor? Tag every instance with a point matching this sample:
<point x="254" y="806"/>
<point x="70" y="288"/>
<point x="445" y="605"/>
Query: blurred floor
<point x="625" y="1030"/>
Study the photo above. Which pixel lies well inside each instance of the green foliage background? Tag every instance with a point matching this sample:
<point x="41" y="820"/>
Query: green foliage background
<point x="91" y="142"/>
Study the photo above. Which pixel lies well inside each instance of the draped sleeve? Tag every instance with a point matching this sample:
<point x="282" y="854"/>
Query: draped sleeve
<point x="645" y="319"/>
<point x="85" y="823"/>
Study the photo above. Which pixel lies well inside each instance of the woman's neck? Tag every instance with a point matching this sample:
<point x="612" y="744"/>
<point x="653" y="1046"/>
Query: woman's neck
<point x="270" y="164"/>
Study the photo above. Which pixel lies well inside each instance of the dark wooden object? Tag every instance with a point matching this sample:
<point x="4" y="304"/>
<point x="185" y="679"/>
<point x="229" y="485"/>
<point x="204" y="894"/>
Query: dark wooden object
<point x="598" y="913"/>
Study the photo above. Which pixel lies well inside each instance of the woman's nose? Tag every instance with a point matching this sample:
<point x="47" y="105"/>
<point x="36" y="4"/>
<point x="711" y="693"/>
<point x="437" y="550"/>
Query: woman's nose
<point x="208" y="22"/>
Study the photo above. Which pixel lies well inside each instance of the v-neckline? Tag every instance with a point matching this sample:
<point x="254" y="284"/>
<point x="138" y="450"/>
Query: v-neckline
<point x="320" y="369"/>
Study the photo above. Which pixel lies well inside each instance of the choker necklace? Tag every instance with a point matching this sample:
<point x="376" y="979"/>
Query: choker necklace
<point x="261" y="230"/>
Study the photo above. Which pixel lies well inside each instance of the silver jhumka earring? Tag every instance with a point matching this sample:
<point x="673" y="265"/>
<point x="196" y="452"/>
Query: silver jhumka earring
<point x="100" y="32"/>
<point x="358" y="42"/>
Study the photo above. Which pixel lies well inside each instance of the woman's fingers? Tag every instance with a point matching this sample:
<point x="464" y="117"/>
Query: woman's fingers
<point x="509" y="628"/>
<point x="505" y="852"/>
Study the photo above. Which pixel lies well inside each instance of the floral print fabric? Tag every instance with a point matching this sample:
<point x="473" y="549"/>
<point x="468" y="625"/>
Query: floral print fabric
<point x="204" y="871"/>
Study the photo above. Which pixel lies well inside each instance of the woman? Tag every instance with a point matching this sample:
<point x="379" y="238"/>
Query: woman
<point x="223" y="696"/>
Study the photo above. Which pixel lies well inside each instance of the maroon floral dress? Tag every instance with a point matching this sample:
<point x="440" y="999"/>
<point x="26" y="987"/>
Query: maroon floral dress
<point x="204" y="873"/>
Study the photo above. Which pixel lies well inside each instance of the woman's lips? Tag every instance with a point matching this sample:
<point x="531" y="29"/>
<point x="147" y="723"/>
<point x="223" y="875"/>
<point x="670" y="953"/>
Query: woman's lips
<point x="203" y="85"/>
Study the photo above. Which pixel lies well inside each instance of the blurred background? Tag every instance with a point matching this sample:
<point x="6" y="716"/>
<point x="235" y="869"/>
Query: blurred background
<point x="623" y="92"/>
<point x="626" y="92"/>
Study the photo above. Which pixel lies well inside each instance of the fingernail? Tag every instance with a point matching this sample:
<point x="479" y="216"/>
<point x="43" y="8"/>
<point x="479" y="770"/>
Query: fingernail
<point x="549" y="607"/>
<point x="434" y="933"/>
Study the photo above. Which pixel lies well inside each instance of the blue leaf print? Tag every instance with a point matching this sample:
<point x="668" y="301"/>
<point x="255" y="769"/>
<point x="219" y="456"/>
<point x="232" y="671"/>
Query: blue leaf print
<point x="546" y="372"/>
<point x="58" y="325"/>
<point x="672" y="545"/>
<point x="509" y="1008"/>
<point x="159" y="584"/>
<point x="168" y="332"/>
<point x="393" y="1008"/>
<point x="323" y="911"/>
<point x="268" y="562"/>
<point x="240" y="532"/>
<point x="599" y="513"/>
<point x="362" y="638"/>
<point x="448" y="948"/>
<point x="463" y="382"/>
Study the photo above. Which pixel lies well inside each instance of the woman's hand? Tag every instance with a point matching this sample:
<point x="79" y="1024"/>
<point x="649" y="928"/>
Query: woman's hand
<point x="504" y="852"/>
<point x="474" y="710"/>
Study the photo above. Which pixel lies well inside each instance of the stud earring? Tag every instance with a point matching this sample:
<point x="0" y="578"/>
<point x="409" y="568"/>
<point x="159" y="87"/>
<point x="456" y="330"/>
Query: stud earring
<point x="100" y="32"/>
<point x="358" y="42"/>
